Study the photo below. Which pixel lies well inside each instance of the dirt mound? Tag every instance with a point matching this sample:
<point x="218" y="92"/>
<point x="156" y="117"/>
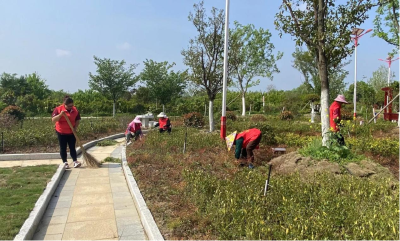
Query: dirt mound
<point x="294" y="162"/>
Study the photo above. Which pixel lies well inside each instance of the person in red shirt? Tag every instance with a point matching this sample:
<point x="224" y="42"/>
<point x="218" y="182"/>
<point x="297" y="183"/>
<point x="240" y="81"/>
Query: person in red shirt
<point x="245" y="143"/>
<point x="64" y="132"/>
<point x="335" y="117"/>
<point x="164" y="123"/>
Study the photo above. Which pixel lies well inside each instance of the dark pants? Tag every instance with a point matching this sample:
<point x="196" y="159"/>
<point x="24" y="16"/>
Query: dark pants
<point x="162" y="130"/>
<point x="63" y="140"/>
<point x="129" y="135"/>
<point x="248" y="151"/>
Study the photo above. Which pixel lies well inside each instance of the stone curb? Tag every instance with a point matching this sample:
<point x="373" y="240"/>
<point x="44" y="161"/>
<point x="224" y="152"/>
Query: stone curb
<point x="150" y="226"/>
<point x="29" y="227"/>
<point x="44" y="156"/>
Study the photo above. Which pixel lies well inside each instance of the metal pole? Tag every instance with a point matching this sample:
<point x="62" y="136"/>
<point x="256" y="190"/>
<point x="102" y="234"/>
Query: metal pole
<point x="355" y="78"/>
<point x="267" y="181"/>
<point x="2" y="142"/>
<point x="223" y="117"/>
<point x="263" y="104"/>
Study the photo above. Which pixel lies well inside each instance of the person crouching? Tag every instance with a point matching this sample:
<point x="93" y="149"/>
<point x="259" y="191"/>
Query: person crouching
<point x="164" y="123"/>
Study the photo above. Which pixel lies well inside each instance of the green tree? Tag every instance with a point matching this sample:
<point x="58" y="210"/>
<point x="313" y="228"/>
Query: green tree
<point x="379" y="80"/>
<point x="250" y="56"/>
<point x="163" y="83"/>
<point x="12" y="87"/>
<point x="37" y="86"/>
<point x="305" y="62"/>
<point x="386" y="22"/>
<point x="324" y="27"/>
<point x="113" y="79"/>
<point x="204" y="57"/>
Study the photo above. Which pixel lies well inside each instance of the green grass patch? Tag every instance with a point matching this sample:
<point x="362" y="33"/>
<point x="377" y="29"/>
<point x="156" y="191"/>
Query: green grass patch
<point x="20" y="188"/>
<point x="107" y="143"/>
<point x="112" y="159"/>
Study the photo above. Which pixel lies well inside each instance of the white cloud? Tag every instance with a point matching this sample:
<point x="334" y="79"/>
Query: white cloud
<point x="62" y="53"/>
<point x="124" y="46"/>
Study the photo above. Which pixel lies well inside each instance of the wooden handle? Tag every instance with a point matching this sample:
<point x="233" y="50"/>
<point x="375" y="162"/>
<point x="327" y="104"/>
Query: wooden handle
<point x="73" y="130"/>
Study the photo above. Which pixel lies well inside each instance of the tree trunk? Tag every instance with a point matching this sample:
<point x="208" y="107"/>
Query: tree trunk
<point x="114" y="109"/>
<point x="211" y="115"/>
<point x="243" y="105"/>
<point x="323" y="74"/>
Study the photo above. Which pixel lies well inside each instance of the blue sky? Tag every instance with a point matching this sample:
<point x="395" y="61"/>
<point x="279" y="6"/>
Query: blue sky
<point x="58" y="39"/>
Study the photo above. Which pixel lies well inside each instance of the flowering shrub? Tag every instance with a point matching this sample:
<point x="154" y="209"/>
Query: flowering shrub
<point x="14" y="111"/>
<point x="194" y="119"/>
<point x="286" y="115"/>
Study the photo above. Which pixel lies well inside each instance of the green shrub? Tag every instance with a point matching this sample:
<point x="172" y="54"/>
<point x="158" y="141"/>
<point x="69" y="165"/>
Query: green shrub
<point x="334" y="153"/>
<point x="286" y="115"/>
<point x="230" y="115"/>
<point x="258" y="118"/>
<point x="112" y="159"/>
<point x="292" y="139"/>
<point x="194" y="119"/>
<point x="15" y="111"/>
<point x="106" y="143"/>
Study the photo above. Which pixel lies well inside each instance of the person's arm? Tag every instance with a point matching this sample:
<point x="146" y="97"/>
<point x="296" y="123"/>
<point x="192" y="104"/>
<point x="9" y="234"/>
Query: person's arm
<point x="238" y="150"/>
<point x="77" y="121"/>
<point x="168" y="123"/>
<point x="56" y="116"/>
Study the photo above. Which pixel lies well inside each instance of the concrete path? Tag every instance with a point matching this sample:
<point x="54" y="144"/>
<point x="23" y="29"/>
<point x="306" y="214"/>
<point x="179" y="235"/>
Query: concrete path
<point x="92" y="204"/>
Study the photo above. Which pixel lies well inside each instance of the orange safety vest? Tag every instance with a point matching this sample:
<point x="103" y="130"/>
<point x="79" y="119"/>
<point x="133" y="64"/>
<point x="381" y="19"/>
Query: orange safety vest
<point x="162" y="122"/>
<point x="248" y="135"/>
<point x="62" y="126"/>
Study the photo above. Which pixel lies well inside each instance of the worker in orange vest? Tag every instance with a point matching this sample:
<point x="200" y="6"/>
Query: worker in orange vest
<point x="64" y="132"/>
<point x="164" y="123"/>
<point x="245" y="143"/>
<point x="335" y="117"/>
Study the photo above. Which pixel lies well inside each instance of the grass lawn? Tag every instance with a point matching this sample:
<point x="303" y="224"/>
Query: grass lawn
<point x="20" y="188"/>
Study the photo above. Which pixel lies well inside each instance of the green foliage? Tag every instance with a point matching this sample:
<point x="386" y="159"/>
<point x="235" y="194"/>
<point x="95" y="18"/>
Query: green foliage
<point x="320" y="207"/>
<point x="40" y="132"/>
<point x="112" y="159"/>
<point x="163" y="83"/>
<point x="14" y="111"/>
<point x="258" y="118"/>
<point x="250" y="56"/>
<point x="112" y="79"/>
<point x="230" y="115"/>
<point x="286" y="115"/>
<point x="293" y="140"/>
<point x="333" y="153"/>
<point x="311" y="97"/>
<point x="194" y="119"/>
<point x="107" y="143"/>
<point x="387" y="18"/>
<point x="384" y="147"/>
<point x="20" y="188"/>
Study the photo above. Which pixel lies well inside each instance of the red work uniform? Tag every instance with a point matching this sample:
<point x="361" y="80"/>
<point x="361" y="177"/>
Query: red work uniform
<point x="62" y="126"/>
<point x="334" y="113"/>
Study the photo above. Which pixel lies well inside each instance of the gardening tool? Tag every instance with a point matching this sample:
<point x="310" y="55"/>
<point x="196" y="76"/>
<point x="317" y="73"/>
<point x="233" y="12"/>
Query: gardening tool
<point x="184" y="144"/>
<point x="88" y="159"/>
<point x="267" y="181"/>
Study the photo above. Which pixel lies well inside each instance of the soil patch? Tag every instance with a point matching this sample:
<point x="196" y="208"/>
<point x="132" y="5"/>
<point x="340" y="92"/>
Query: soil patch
<point x="294" y="162"/>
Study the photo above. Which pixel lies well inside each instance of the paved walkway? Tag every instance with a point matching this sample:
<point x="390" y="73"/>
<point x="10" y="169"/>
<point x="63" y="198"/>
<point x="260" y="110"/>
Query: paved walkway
<point x="92" y="204"/>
